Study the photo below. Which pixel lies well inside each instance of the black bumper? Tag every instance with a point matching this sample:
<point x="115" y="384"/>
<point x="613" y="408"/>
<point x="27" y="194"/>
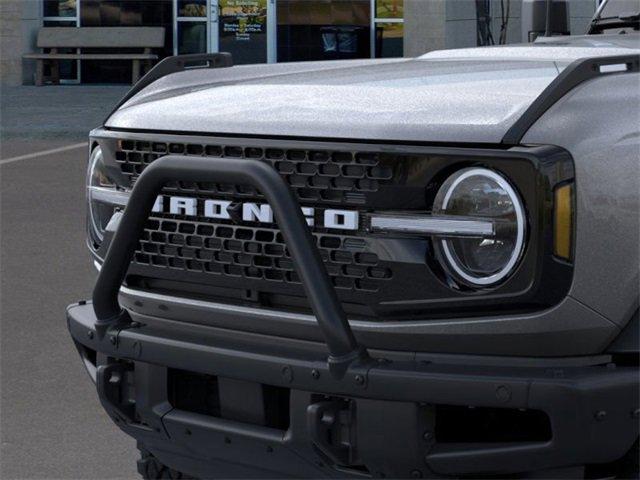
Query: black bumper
<point x="592" y="410"/>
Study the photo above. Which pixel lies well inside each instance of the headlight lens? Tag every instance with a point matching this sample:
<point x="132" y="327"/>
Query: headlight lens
<point x="103" y="195"/>
<point x="480" y="192"/>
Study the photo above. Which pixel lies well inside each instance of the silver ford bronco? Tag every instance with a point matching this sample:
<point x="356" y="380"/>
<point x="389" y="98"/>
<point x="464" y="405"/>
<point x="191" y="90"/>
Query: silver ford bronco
<point x="422" y="268"/>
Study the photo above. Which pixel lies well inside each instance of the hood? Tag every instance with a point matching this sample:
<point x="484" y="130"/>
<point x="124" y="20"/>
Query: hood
<point x="467" y="95"/>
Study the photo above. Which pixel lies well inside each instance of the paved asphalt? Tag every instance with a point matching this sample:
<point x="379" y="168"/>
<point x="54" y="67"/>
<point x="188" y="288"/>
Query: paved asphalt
<point x="51" y="423"/>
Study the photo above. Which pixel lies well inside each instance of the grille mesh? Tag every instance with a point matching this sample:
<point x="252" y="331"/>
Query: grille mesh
<point x="255" y="253"/>
<point x="221" y="248"/>
<point x="314" y="175"/>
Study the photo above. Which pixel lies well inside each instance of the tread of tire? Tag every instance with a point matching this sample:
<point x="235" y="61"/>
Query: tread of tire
<point x="151" y="469"/>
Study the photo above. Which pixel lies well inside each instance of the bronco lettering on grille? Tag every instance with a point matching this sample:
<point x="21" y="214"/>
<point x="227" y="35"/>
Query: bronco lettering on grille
<point x="250" y="212"/>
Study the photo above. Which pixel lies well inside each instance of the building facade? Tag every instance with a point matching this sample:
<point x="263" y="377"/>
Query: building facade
<point x="257" y="31"/>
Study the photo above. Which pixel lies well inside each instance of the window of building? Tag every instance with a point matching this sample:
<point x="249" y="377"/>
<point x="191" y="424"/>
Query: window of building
<point x="191" y="35"/>
<point x="323" y="29"/>
<point x="253" y="31"/>
<point x="65" y="9"/>
<point x="192" y="8"/>
<point x="386" y="9"/>
<point x="63" y="13"/>
<point x="243" y="30"/>
<point x="122" y="13"/>
<point x="388" y="28"/>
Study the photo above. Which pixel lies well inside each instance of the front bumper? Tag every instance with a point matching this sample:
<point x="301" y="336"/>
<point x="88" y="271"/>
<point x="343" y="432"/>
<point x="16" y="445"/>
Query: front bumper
<point x="388" y="406"/>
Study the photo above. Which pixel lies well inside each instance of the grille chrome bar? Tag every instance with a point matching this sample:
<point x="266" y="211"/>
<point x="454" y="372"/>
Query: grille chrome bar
<point x="443" y="226"/>
<point x="107" y="195"/>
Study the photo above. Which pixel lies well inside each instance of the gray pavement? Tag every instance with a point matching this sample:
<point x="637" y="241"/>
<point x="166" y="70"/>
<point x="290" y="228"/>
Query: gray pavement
<point x="51" y="423"/>
<point x="55" y="113"/>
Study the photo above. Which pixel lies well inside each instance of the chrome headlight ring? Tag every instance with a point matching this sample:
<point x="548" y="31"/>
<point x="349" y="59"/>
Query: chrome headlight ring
<point x="483" y="193"/>
<point x="104" y="196"/>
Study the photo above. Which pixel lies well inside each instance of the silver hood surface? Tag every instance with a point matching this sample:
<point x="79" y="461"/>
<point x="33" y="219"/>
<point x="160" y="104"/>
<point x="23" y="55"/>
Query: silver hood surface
<point x="466" y="95"/>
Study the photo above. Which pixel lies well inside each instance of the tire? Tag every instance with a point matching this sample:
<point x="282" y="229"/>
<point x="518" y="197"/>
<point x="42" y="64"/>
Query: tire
<point x="630" y="464"/>
<point x="625" y="468"/>
<point x="151" y="469"/>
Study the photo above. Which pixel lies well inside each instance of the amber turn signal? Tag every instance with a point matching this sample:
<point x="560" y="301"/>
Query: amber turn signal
<point x="563" y="222"/>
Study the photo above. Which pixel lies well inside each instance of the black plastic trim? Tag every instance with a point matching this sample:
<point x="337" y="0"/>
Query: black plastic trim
<point x="590" y="409"/>
<point x="628" y="342"/>
<point x="175" y="64"/>
<point x="291" y="138"/>
<point x="599" y="25"/>
<point x="574" y="74"/>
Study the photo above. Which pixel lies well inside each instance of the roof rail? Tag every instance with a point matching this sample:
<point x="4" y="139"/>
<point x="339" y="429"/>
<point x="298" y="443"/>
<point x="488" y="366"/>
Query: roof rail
<point x="175" y="64"/>
<point x="574" y="74"/>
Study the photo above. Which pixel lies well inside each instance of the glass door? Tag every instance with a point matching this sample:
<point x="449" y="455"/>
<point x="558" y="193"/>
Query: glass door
<point x="387" y="31"/>
<point x="191" y="33"/>
<point x="243" y="29"/>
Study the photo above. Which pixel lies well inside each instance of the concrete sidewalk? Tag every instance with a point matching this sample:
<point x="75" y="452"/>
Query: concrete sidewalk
<point x="60" y="113"/>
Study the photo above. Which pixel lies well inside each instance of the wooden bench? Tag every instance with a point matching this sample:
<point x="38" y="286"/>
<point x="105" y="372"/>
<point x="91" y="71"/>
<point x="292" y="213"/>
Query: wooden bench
<point x="56" y="38"/>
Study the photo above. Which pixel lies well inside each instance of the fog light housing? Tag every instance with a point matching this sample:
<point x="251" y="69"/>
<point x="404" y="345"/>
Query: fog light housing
<point x="483" y="260"/>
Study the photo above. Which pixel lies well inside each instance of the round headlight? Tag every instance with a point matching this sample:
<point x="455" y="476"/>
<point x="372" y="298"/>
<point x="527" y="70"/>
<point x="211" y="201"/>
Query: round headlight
<point x="481" y="193"/>
<point x="103" y="195"/>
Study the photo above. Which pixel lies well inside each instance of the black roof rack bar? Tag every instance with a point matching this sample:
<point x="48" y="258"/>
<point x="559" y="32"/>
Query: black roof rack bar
<point x="332" y="320"/>
<point x="573" y="75"/>
<point x="175" y="64"/>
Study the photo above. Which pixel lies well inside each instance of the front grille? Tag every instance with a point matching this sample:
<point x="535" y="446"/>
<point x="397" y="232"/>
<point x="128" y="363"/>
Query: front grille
<point x="377" y="276"/>
<point x="254" y="257"/>
<point x="314" y="175"/>
<point x="254" y="253"/>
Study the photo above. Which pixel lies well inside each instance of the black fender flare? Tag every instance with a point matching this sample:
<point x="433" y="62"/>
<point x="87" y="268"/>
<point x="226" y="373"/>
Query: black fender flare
<point x="628" y="341"/>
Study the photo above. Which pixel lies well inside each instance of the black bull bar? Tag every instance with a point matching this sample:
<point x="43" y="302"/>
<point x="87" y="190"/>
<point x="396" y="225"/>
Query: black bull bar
<point x="332" y="320"/>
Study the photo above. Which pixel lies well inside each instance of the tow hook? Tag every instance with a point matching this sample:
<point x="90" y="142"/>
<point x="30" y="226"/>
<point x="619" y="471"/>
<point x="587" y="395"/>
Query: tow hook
<point x="110" y="380"/>
<point x="331" y="426"/>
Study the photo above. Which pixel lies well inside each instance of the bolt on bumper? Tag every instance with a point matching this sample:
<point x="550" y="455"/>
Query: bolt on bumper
<point x="592" y="410"/>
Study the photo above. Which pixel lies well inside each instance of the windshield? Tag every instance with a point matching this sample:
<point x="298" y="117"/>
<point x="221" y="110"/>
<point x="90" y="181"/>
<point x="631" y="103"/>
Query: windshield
<point x="616" y="8"/>
<point x="616" y="16"/>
